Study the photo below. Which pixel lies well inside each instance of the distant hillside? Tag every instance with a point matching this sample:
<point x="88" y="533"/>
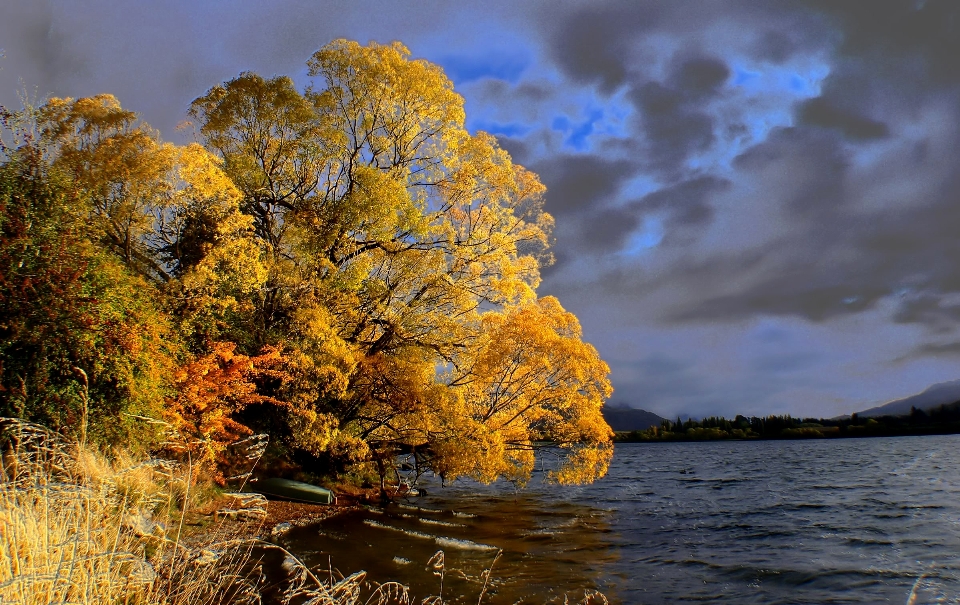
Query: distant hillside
<point x="942" y="393"/>
<point x="625" y="418"/>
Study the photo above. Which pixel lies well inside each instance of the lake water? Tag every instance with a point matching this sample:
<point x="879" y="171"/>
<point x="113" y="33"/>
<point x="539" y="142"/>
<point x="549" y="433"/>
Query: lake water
<point x="838" y="521"/>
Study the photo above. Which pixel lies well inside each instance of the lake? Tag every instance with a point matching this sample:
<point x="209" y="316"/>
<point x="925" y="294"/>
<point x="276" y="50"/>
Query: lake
<point x="819" y="521"/>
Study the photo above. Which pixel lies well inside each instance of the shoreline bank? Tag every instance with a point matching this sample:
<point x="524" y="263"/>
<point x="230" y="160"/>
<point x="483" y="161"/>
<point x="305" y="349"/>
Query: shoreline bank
<point x="211" y="522"/>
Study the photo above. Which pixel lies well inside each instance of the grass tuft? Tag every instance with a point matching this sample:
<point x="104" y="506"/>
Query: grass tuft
<point x="76" y="527"/>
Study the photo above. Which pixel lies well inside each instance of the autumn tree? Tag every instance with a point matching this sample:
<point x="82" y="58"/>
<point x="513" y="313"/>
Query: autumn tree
<point x="396" y="240"/>
<point x="526" y="381"/>
<point x="117" y="169"/>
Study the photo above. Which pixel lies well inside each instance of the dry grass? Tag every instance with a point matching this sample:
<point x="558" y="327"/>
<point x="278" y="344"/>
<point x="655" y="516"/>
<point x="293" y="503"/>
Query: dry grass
<point x="79" y="528"/>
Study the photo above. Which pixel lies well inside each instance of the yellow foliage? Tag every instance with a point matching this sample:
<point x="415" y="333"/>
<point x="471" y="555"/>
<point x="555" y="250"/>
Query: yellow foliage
<point x="393" y="255"/>
<point x="319" y="433"/>
<point x="116" y="163"/>
<point x="392" y="229"/>
<point x="531" y="379"/>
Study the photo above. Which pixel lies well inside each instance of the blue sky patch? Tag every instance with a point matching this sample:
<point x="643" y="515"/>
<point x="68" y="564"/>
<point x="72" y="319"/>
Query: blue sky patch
<point x="510" y="129"/>
<point x="648" y="236"/>
<point x="577" y="133"/>
<point x="799" y="81"/>
<point x="464" y="69"/>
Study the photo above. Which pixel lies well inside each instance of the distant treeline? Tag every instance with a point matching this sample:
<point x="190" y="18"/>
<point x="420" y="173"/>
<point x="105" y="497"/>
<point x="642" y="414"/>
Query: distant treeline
<point x="939" y="421"/>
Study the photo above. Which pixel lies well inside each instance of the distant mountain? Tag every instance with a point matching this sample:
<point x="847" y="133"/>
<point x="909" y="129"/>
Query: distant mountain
<point x="625" y="418"/>
<point x="942" y="393"/>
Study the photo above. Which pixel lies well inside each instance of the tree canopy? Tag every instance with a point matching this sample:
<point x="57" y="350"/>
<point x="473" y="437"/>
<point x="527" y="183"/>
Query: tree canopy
<point x="345" y="267"/>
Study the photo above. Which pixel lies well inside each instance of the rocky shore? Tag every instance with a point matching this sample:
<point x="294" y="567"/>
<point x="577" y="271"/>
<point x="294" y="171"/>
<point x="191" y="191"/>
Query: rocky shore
<point x="219" y="521"/>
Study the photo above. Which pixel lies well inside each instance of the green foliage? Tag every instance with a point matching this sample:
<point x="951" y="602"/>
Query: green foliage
<point x="81" y="340"/>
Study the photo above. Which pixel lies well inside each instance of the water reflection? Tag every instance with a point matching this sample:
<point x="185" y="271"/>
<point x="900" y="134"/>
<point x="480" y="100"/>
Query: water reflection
<point x="546" y="550"/>
<point x="853" y="521"/>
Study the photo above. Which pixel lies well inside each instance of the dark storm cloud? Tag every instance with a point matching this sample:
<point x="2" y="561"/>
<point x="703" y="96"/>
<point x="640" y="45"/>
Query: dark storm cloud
<point x="687" y="203"/>
<point x="778" y="279"/>
<point x="775" y="46"/>
<point x="48" y="46"/>
<point x="517" y="148"/>
<point x="937" y="350"/>
<point x="820" y="112"/>
<point x="831" y="257"/>
<point x="841" y="258"/>
<point x="929" y="310"/>
<point x="808" y="168"/>
<point x="835" y="252"/>
<point x="36" y="45"/>
<point x="608" y="229"/>
<point x="845" y="210"/>
<point x="672" y="127"/>
<point x="893" y="56"/>
<point x="577" y="182"/>
<point x="904" y="36"/>
<point x="671" y="117"/>
<point x="596" y="45"/>
<point x="811" y="295"/>
<point x="700" y="77"/>
<point x="611" y="43"/>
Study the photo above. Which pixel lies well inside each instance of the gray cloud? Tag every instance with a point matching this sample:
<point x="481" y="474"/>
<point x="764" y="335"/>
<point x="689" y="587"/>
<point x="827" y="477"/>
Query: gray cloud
<point x="848" y="213"/>
<point x="803" y="169"/>
<point x="39" y="49"/>
<point x="913" y="40"/>
<point x="596" y="45"/>
<point x="776" y="46"/>
<point x="930" y="310"/>
<point x="608" y="229"/>
<point x="785" y="362"/>
<point x="498" y="91"/>
<point x="578" y="182"/>
<point x="672" y="128"/>
<point x="700" y="77"/>
<point x="517" y="148"/>
<point x="672" y="121"/>
<point x="820" y="112"/>
<point x="933" y="349"/>
<point x="687" y="203"/>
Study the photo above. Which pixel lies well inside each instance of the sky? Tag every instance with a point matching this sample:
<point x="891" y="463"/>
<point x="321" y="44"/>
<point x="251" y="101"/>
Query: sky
<point x="757" y="203"/>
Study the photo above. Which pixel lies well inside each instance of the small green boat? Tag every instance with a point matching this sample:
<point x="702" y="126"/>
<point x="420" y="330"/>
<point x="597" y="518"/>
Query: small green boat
<point x="287" y="489"/>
